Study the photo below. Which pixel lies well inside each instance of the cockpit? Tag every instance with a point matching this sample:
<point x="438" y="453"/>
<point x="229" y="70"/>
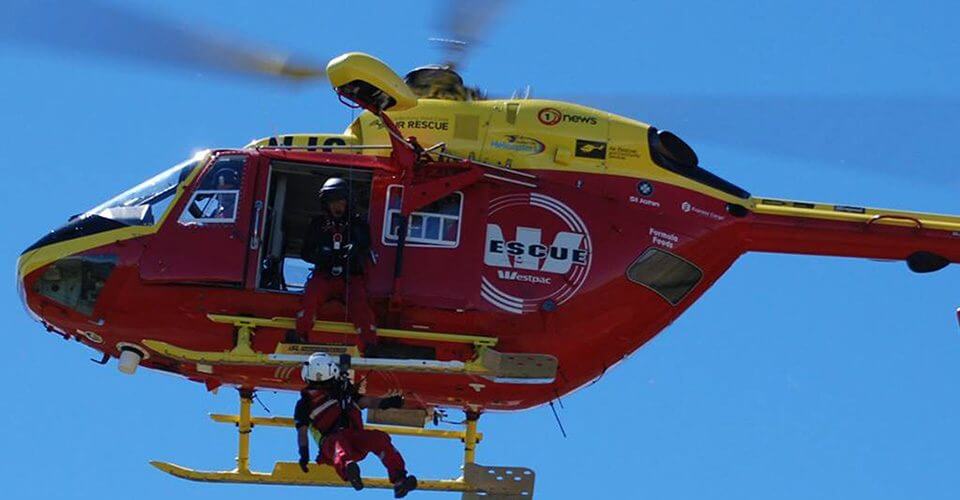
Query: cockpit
<point x="142" y="205"/>
<point x="145" y="203"/>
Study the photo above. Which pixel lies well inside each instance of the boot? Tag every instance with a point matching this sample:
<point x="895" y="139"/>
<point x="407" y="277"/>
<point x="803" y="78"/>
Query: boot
<point x="293" y="337"/>
<point x="404" y="486"/>
<point x="353" y="476"/>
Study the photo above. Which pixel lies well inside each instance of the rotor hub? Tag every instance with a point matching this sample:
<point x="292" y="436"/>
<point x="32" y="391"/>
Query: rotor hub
<point x="440" y="82"/>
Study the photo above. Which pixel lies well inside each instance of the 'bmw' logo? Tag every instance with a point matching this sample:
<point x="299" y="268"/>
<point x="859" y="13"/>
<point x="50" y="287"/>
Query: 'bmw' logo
<point x="645" y="188"/>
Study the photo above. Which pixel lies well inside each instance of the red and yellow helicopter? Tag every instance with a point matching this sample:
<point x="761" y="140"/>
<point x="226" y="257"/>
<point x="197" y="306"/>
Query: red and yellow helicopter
<point x="522" y="247"/>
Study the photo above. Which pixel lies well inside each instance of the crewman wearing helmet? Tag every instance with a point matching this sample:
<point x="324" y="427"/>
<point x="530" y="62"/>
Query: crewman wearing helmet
<point x="338" y="244"/>
<point x="329" y="407"/>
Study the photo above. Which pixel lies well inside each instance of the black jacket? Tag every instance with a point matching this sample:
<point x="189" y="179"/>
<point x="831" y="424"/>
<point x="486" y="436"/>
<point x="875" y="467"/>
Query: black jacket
<point x="318" y="243"/>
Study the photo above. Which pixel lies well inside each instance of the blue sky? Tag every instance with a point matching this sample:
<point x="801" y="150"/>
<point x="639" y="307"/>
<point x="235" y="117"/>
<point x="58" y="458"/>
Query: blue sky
<point x="794" y="377"/>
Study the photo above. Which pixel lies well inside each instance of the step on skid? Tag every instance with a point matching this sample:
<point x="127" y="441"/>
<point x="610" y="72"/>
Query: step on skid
<point x="488" y="363"/>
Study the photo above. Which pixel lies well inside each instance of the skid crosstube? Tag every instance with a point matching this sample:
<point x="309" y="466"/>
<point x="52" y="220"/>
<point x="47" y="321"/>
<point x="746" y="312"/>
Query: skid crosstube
<point x="487" y="362"/>
<point x="476" y="482"/>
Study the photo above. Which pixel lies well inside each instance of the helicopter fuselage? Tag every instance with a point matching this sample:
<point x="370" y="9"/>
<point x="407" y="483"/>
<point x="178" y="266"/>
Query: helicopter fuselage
<point x="596" y="253"/>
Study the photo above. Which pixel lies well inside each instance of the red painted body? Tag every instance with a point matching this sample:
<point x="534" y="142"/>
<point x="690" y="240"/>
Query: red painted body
<point x="165" y="284"/>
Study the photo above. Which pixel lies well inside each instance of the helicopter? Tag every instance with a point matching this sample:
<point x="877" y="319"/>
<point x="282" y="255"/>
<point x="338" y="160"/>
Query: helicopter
<point x="538" y="242"/>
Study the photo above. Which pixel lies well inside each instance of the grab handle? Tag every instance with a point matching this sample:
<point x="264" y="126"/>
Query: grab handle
<point x="907" y="218"/>
<point x="255" y="240"/>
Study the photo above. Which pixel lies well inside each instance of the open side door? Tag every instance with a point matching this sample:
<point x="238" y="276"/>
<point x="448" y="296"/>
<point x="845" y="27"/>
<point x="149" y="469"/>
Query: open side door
<point x="206" y="236"/>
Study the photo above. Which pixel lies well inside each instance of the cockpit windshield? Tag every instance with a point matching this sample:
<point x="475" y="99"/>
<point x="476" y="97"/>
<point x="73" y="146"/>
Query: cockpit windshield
<point x="145" y="204"/>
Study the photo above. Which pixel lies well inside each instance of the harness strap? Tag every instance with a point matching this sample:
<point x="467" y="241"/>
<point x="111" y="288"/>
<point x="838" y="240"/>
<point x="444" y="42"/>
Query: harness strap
<point x="318" y="410"/>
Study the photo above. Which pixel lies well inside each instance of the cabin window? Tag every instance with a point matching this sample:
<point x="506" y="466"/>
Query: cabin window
<point x="435" y="225"/>
<point x="216" y="198"/>
<point x="666" y="274"/>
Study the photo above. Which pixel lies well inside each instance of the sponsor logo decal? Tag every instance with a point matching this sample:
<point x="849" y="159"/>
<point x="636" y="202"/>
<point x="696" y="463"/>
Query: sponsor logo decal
<point x="644" y="201"/>
<point x="591" y="149"/>
<point x="688" y="207"/>
<point x="518" y="144"/>
<point x="645" y="188"/>
<point x="537" y="251"/>
<point x="553" y="116"/>
<point x="529" y="278"/>
<point x="550" y="116"/>
<point x="663" y="238"/>
<point x="622" y="153"/>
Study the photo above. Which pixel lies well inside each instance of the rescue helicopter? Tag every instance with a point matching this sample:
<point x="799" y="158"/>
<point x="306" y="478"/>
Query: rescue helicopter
<point x="520" y="248"/>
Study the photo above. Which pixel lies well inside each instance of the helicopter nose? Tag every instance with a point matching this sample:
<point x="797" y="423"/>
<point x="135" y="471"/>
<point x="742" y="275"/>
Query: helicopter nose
<point x="64" y="241"/>
<point x="59" y="268"/>
<point x="22" y="266"/>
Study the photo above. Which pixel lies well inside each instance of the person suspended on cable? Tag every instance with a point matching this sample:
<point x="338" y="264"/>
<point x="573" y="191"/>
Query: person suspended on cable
<point x="329" y="407"/>
<point x="337" y="243"/>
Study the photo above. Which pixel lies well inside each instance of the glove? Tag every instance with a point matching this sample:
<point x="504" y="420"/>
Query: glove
<point x="391" y="402"/>
<point x="304" y="458"/>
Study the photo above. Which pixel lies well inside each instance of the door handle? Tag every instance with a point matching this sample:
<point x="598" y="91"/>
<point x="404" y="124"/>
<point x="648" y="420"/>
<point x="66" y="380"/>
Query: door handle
<point x="257" y="210"/>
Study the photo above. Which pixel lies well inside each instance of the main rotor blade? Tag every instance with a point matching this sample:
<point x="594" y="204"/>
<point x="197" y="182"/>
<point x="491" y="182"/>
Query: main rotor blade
<point x="913" y="136"/>
<point x="117" y="32"/>
<point x="463" y="24"/>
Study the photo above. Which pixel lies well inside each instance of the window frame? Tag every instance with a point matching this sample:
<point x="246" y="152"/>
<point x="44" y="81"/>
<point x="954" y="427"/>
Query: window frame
<point x="210" y="220"/>
<point x="198" y="190"/>
<point x="419" y="242"/>
<point x="654" y="290"/>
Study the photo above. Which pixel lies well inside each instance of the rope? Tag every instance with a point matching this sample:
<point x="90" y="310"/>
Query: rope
<point x="559" y="423"/>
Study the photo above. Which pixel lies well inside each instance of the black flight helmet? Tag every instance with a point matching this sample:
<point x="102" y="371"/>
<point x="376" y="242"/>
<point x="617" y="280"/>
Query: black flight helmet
<point x="227" y="177"/>
<point x="334" y="189"/>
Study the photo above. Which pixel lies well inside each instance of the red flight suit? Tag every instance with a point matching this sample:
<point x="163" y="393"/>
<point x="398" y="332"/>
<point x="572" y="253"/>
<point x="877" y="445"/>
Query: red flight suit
<point x="338" y="248"/>
<point x="339" y="421"/>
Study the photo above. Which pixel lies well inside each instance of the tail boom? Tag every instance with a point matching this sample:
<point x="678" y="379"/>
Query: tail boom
<point x="927" y="242"/>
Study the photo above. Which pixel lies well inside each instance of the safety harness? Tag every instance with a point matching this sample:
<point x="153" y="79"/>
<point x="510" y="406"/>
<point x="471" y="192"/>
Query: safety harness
<point x="324" y="400"/>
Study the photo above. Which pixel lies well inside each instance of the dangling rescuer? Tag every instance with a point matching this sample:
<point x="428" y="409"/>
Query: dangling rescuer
<point x="329" y="407"/>
<point x="338" y="244"/>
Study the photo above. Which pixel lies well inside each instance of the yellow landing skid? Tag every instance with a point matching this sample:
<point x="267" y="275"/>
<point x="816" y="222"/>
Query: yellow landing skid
<point x="477" y="481"/>
<point x="487" y="362"/>
<point x="289" y="473"/>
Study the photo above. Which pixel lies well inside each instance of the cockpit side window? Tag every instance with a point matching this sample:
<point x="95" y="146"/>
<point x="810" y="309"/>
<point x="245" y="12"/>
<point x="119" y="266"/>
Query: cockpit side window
<point x="218" y="194"/>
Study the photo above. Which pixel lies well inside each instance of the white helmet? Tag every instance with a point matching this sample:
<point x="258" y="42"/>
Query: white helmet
<point x="320" y="367"/>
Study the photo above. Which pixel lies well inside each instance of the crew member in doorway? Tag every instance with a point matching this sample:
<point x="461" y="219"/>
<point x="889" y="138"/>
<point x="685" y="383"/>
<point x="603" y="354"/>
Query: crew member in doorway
<point x="337" y="243"/>
<point x="329" y="407"/>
